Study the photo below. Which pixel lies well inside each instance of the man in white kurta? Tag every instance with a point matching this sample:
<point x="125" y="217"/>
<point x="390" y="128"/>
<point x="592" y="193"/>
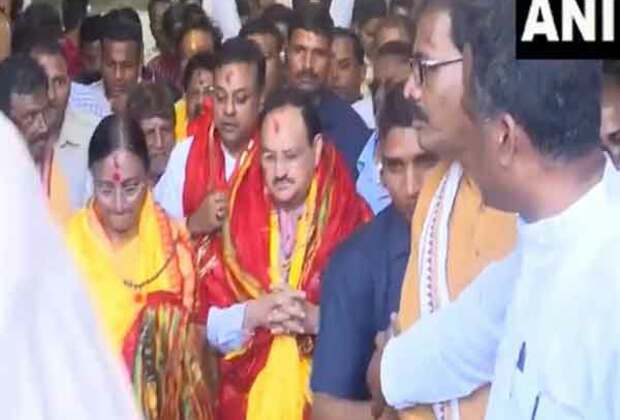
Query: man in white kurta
<point x="542" y="325"/>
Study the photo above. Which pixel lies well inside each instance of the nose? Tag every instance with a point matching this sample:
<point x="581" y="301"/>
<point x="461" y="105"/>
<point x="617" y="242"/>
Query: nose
<point x="118" y="73"/>
<point x="119" y="201"/>
<point x="412" y="90"/>
<point x="51" y="92"/>
<point x="413" y="181"/>
<point x="159" y="141"/>
<point x="230" y="106"/>
<point x="307" y="61"/>
<point x="41" y="122"/>
<point x="279" y="168"/>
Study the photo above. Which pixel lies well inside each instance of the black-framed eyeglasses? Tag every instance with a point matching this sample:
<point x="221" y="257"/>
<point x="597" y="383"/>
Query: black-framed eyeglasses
<point x="421" y="67"/>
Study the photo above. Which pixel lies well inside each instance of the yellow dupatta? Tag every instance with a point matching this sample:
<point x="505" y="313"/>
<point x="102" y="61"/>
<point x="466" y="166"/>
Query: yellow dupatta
<point x="57" y="190"/>
<point x="180" y="116"/>
<point x="105" y="268"/>
<point x="281" y="390"/>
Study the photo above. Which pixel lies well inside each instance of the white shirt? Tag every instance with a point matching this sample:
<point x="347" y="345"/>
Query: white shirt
<point x="366" y="109"/>
<point x="542" y="325"/>
<point x="71" y="150"/>
<point x="90" y="99"/>
<point x="169" y="190"/>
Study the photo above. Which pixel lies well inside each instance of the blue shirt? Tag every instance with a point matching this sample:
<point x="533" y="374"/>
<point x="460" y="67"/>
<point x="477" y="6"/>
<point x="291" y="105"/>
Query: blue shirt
<point x="369" y="183"/>
<point x="361" y="288"/>
<point x="343" y="127"/>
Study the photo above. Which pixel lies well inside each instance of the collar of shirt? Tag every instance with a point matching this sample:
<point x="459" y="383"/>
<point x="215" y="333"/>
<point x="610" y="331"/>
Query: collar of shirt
<point x="582" y="213"/>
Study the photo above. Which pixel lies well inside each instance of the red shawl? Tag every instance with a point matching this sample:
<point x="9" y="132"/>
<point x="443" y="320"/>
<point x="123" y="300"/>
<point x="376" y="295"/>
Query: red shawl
<point x="235" y="266"/>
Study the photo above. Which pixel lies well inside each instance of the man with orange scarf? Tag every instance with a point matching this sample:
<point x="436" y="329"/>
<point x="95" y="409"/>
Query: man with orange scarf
<point x="24" y="100"/>
<point x="196" y="179"/>
<point x="291" y="203"/>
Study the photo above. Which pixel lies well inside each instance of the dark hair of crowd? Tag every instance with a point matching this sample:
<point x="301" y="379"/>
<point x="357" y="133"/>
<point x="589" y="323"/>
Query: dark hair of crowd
<point x="279" y="14"/>
<point x="312" y="17"/>
<point x="240" y="50"/>
<point x="397" y="48"/>
<point x="42" y="18"/>
<point x="91" y="29"/>
<point x="73" y="13"/>
<point x="428" y="6"/>
<point x="200" y="61"/>
<point x="366" y="10"/>
<point x="151" y="5"/>
<point x="39" y="43"/>
<point x="556" y="102"/>
<point x="21" y="75"/>
<point x="117" y="133"/>
<point x="121" y="25"/>
<point x="203" y="24"/>
<point x="358" y="48"/>
<point x="296" y="98"/>
<point x="262" y="26"/>
<point x="150" y="100"/>
<point x="397" y="111"/>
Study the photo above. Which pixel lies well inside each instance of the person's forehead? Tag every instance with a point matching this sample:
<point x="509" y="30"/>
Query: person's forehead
<point x="434" y="35"/>
<point x="121" y="48"/>
<point x="201" y="76"/>
<point x="29" y="102"/>
<point x="343" y="46"/>
<point x="308" y="39"/>
<point x="284" y="127"/>
<point x="234" y="75"/>
<point x="155" y="122"/>
<point x="401" y="142"/>
<point x="52" y="63"/>
<point x="120" y="160"/>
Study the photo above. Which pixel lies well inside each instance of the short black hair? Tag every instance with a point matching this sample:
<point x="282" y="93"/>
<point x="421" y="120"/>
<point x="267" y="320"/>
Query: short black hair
<point x="117" y="133"/>
<point x="297" y="98"/>
<point x="203" y="24"/>
<point x="120" y="25"/>
<point x="397" y="48"/>
<point x="39" y="43"/>
<point x="73" y="13"/>
<point x="241" y="50"/>
<point x="149" y="100"/>
<point x="313" y="18"/>
<point x="91" y="29"/>
<point x="42" y="18"/>
<point x="358" y="48"/>
<point x="262" y="26"/>
<point x="449" y="6"/>
<point x="152" y="3"/>
<point x="279" y="14"/>
<point x="556" y="102"/>
<point x="200" y="61"/>
<point x="397" y="110"/>
<point x="22" y="75"/>
<point x="365" y="10"/>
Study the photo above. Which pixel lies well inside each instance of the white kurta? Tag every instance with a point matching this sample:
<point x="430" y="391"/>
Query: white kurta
<point x="542" y="325"/>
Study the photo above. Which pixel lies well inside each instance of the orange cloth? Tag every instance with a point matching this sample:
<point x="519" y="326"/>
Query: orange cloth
<point x="478" y="236"/>
<point x="180" y="115"/>
<point x="57" y="189"/>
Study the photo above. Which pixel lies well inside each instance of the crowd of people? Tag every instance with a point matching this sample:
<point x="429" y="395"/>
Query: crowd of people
<point x="329" y="210"/>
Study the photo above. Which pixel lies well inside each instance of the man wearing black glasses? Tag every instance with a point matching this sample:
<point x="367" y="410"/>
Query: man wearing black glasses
<point x="457" y="235"/>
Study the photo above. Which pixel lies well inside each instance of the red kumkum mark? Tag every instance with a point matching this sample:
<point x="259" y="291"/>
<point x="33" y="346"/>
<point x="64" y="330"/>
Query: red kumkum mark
<point x="116" y="176"/>
<point x="276" y="126"/>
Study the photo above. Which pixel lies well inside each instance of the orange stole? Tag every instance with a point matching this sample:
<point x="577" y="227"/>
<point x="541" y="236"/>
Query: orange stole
<point x="237" y="263"/>
<point x="478" y="236"/>
<point x="56" y="189"/>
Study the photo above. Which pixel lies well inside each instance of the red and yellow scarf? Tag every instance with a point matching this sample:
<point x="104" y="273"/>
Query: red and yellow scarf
<point x="269" y="378"/>
<point x="205" y="171"/>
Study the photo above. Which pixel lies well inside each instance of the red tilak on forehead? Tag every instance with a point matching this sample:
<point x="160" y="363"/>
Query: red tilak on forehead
<point x="276" y="125"/>
<point x="116" y="176"/>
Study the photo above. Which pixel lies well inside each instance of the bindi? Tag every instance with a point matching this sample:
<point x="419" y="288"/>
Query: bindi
<point x="116" y="175"/>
